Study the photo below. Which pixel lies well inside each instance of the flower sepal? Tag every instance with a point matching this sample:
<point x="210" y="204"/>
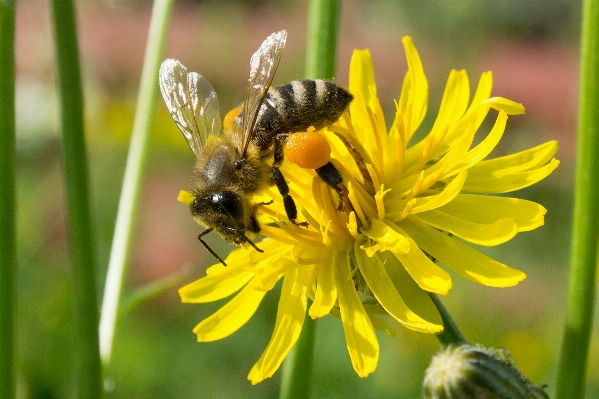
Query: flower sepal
<point x="473" y="372"/>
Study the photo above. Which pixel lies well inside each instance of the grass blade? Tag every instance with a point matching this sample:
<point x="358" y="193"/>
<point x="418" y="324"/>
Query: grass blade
<point x="79" y="215"/>
<point x="8" y="255"/>
<point x="585" y="229"/>
<point x="121" y="242"/>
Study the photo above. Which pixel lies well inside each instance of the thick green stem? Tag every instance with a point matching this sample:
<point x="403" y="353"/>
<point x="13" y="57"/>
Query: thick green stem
<point x="8" y="256"/>
<point x="585" y="233"/>
<point x="451" y="334"/>
<point x="144" y="113"/>
<point x="321" y="49"/>
<point x="79" y="215"/>
<point x="296" y="381"/>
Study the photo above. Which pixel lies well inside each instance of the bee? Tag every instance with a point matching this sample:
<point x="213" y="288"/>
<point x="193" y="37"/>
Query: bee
<point x="233" y="166"/>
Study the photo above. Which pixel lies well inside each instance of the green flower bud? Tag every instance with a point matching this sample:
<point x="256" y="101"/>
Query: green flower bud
<point x="473" y="372"/>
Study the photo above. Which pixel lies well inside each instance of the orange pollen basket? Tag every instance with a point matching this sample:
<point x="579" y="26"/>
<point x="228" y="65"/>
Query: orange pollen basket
<point x="309" y="150"/>
<point x="230" y="118"/>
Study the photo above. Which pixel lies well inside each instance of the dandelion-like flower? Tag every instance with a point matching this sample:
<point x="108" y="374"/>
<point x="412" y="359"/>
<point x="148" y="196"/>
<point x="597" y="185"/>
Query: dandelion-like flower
<point x="404" y="208"/>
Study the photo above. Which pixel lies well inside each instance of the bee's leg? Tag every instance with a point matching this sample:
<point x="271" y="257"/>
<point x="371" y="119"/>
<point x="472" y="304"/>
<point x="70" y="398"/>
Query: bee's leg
<point x="242" y="237"/>
<point x="205" y="244"/>
<point x="254" y="226"/>
<point x="288" y="202"/>
<point x="331" y="176"/>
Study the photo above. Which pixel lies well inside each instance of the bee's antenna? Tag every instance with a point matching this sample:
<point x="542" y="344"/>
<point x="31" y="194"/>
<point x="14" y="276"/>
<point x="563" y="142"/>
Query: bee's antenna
<point x="208" y="248"/>
<point x="244" y="238"/>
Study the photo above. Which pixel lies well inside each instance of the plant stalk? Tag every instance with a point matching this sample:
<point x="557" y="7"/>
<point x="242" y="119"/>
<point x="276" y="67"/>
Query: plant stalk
<point x="321" y="49"/>
<point x="585" y="227"/>
<point x="77" y="193"/>
<point x="8" y="243"/>
<point x="136" y="162"/>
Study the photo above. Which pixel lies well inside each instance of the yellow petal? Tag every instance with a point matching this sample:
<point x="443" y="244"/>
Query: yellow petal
<point x="425" y="272"/>
<point x="361" y="77"/>
<point x="483" y="91"/>
<point x="455" y="99"/>
<point x="486" y="209"/>
<point x="502" y="181"/>
<point x="503" y="104"/>
<point x="360" y="337"/>
<point x="482" y="234"/>
<point x="230" y="317"/>
<point x="375" y="314"/>
<point x="452" y="152"/>
<point x="209" y="289"/>
<point x="522" y="161"/>
<point x="386" y="238"/>
<point x="450" y="191"/>
<point x="395" y="148"/>
<point x="381" y="325"/>
<point x="485" y="147"/>
<point x="244" y="259"/>
<point x="271" y="273"/>
<point x="382" y="287"/>
<point x="389" y="237"/>
<point x="290" y="319"/>
<point x="326" y="291"/>
<point x="415" y="297"/>
<point x="461" y="258"/>
<point x="413" y="101"/>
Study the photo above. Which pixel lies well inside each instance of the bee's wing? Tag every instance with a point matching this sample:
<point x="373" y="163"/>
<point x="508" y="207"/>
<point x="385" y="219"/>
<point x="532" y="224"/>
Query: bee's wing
<point x="263" y="66"/>
<point x="191" y="101"/>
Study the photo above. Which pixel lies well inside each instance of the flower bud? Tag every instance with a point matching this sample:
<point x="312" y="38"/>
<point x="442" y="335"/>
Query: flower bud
<point x="473" y="372"/>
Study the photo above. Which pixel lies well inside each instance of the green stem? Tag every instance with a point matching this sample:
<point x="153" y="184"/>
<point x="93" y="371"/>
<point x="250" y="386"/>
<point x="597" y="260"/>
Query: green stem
<point x="321" y="49"/>
<point x="585" y="233"/>
<point x="136" y="160"/>
<point x="451" y="334"/>
<point x="323" y="20"/>
<point x="79" y="215"/>
<point x="296" y="381"/>
<point x="8" y="256"/>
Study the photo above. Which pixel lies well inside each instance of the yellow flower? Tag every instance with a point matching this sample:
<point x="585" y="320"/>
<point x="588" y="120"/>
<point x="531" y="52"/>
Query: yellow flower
<point x="403" y="207"/>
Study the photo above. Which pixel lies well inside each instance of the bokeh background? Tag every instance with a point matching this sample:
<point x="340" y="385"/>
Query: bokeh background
<point x="532" y="48"/>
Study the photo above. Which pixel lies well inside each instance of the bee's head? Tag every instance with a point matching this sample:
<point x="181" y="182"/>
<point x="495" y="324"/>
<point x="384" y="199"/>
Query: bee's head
<point x="224" y="211"/>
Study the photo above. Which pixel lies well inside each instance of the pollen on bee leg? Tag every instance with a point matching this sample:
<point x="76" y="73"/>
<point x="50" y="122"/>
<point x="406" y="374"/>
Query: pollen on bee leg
<point x="230" y="117"/>
<point x="186" y="197"/>
<point x="309" y="149"/>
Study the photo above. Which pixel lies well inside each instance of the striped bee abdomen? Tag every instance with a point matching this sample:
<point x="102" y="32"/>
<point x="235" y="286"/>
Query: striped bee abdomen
<point x="296" y="106"/>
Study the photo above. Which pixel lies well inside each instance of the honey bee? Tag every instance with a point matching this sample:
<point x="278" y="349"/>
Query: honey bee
<point x="233" y="166"/>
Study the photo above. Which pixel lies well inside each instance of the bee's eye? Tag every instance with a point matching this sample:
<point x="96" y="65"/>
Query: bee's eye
<point x="226" y="202"/>
<point x="231" y="203"/>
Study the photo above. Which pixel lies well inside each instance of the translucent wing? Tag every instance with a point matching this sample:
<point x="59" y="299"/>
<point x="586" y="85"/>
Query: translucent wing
<point x="191" y="101"/>
<point x="263" y="66"/>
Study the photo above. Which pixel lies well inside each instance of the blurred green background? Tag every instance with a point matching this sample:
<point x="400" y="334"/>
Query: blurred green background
<point x="530" y="45"/>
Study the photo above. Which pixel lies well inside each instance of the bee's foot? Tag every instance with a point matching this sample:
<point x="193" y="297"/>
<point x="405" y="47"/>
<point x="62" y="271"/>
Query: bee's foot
<point x="266" y="203"/>
<point x="303" y="224"/>
<point x="340" y="207"/>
